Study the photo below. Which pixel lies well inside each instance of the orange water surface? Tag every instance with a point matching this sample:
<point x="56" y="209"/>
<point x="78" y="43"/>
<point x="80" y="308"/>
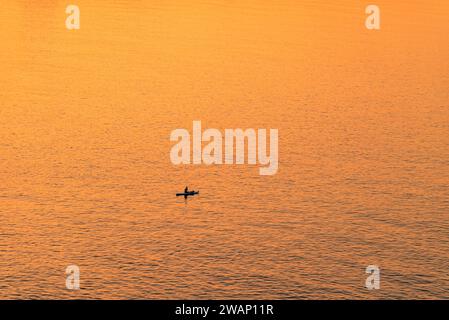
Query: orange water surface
<point x="86" y="176"/>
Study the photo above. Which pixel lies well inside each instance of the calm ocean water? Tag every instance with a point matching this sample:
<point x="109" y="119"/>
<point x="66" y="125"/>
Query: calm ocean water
<point x="86" y="178"/>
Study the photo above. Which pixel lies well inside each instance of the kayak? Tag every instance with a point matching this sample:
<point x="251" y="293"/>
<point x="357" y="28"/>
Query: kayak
<point x="190" y="193"/>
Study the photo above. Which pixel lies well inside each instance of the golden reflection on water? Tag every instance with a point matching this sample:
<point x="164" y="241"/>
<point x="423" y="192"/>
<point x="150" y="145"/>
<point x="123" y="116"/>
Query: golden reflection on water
<point x="85" y="120"/>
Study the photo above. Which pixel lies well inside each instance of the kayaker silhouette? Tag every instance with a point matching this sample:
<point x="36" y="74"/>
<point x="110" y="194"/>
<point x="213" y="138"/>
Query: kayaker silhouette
<point x="187" y="192"/>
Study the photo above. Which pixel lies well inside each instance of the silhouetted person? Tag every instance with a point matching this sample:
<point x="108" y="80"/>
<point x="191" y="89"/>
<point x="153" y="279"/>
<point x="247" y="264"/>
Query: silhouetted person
<point x="186" y="190"/>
